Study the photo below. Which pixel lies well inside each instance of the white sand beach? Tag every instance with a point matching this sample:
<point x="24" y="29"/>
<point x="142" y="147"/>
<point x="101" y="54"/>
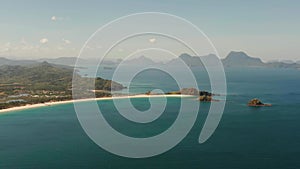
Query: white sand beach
<point x="88" y="99"/>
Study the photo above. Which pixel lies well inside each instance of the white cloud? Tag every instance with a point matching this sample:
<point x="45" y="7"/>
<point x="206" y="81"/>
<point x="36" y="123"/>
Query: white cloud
<point x="152" y="40"/>
<point x="53" y="18"/>
<point x="66" y="41"/>
<point x="44" y="41"/>
<point x="57" y="18"/>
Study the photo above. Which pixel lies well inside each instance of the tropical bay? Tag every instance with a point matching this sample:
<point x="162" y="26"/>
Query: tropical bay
<point x="247" y="137"/>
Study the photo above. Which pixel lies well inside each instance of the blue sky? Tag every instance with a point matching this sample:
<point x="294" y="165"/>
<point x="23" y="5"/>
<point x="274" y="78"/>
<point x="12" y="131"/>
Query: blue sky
<point x="266" y="29"/>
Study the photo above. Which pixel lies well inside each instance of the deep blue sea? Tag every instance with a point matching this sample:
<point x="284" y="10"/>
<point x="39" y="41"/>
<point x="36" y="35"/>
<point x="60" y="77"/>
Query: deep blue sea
<point x="246" y="138"/>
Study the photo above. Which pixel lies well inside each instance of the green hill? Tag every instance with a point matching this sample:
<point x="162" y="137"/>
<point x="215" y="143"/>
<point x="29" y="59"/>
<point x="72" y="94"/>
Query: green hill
<point x="43" y="82"/>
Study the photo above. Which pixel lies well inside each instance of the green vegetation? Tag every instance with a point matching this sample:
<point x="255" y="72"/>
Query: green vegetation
<point x="44" y="82"/>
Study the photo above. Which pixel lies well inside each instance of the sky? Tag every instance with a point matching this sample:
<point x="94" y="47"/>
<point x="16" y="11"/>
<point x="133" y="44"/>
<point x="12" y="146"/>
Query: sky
<point x="269" y="29"/>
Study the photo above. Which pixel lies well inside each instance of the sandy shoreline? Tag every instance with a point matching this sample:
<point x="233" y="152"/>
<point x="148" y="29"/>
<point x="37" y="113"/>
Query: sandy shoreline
<point x="83" y="100"/>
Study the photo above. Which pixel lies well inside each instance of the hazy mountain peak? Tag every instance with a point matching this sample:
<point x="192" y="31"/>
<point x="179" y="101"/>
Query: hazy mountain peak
<point x="184" y="55"/>
<point x="241" y="59"/>
<point x="141" y="60"/>
<point x="237" y="54"/>
<point x="3" y="58"/>
<point x="45" y="63"/>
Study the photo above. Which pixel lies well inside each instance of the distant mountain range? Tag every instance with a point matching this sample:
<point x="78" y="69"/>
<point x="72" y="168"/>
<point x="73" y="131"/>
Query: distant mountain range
<point x="241" y="59"/>
<point x="68" y="61"/>
<point x="142" y="60"/>
<point x="233" y="59"/>
<point x="5" y="61"/>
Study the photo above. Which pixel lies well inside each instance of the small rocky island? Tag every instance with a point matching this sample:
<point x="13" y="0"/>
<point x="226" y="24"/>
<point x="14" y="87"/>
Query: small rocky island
<point x="257" y="103"/>
<point x="204" y="96"/>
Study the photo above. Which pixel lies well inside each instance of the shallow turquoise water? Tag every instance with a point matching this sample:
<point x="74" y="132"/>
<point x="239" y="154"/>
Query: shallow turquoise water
<point x="266" y="137"/>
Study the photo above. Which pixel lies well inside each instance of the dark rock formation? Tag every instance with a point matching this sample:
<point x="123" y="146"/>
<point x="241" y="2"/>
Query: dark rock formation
<point x="256" y="102"/>
<point x="205" y="98"/>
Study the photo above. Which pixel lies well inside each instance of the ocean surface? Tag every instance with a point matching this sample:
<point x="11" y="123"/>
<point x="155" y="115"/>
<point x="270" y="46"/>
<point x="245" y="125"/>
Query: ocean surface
<point x="246" y="138"/>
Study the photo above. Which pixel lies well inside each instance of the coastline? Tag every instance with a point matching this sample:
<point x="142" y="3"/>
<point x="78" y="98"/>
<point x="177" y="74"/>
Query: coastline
<point x="31" y="106"/>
